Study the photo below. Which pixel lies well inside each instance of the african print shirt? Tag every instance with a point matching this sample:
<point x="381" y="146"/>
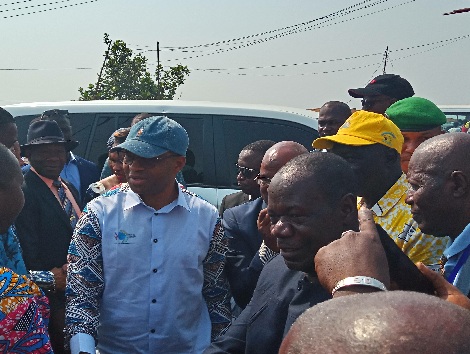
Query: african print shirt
<point x="24" y="315"/>
<point x="394" y="215"/>
<point x="10" y="252"/>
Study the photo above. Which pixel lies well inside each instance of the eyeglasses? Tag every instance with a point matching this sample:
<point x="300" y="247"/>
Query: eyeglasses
<point x="265" y="181"/>
<point x="130" y="158"/>
<point x="246" y="172"/>
<point x="371" y="102"/>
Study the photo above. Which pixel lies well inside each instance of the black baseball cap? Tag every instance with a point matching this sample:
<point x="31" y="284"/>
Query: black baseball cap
<point x="388" y="84"/>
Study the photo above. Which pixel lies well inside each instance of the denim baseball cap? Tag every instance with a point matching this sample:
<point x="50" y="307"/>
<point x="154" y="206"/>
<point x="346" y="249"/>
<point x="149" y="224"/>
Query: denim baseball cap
<point x="154" y="136"/>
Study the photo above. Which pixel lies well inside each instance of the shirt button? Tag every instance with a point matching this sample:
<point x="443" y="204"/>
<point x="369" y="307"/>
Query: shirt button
<point x="155" y="270"/>
<point x="152" y="331"/>
<point x="155" y="240"/>
<point x="154" y="301"/>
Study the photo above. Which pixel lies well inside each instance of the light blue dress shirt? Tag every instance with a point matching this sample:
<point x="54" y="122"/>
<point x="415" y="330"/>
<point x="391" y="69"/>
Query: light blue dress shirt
<point x="150" y="288"/>
<point x="70" y="173"/>
<point x="453" y="253"/>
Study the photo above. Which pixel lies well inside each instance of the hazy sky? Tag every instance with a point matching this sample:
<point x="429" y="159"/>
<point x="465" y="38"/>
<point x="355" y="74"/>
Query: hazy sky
<point x="57" y="42"/>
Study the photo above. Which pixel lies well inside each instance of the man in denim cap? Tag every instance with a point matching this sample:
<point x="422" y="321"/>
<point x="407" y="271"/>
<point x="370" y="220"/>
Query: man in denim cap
<point x="146" y="262"/>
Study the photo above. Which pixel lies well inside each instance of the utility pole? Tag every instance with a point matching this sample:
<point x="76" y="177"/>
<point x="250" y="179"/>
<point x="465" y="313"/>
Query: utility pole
<point x="102" y="67"/>
<point x="385" y="60"/>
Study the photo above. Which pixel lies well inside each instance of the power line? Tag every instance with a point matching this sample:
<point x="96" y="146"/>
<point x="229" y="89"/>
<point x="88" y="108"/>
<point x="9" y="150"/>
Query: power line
<point x="283" y="34"/>
<point x="436" y="44"/>
<point x="287" y="31"/>
<point x="38" y="69"/>
<point x="441" y="43"/>
<point x="28" y="7"/>
<point x="272" y="31"/>
<point x="16" y="2"/>
<point x="49" y="9"/>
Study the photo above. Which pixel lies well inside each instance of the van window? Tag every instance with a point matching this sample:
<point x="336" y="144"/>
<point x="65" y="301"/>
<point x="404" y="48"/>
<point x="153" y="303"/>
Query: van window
<point x="233" y="133"/>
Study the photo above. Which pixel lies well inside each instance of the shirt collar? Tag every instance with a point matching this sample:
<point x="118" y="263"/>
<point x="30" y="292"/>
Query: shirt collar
<point x="71" y="158"/>
<point x="392" y="197"/>
<point x="460" y="243"/>
<point x="133" y="199"/>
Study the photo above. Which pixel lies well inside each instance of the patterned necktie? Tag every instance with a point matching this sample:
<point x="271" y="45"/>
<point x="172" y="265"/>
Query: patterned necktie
<point x="65" y="202"/>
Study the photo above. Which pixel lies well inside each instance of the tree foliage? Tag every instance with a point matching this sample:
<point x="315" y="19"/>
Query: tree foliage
<point x="124" y="76"/>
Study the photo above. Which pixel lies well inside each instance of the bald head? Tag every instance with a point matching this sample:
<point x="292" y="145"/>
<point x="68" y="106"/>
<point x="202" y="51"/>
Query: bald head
<point x="316" y="172"/>
<point x="444" y="152"/>
<point x="385" y="322"/>
<point x="439" y="170"/>
<point x="280" y="153"/>
<point x="276" y="157"/>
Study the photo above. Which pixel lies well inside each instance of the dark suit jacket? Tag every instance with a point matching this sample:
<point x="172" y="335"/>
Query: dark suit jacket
<point x="280" y="297"/>
<point x="88" y="171"/>
<point x="43" y="228"/>
<point x="243" y="265"/>
<point x="232" y="200"/>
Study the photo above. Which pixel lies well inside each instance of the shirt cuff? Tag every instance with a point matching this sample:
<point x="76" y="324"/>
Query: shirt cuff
<point x="82" y="342"/>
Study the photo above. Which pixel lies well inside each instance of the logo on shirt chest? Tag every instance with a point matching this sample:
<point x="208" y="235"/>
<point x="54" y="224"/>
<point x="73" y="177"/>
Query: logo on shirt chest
<point x="408" y="231"/>
<point x="122" y="237"/>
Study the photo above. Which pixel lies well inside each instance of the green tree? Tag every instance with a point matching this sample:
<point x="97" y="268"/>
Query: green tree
<point x="124" y="76"/>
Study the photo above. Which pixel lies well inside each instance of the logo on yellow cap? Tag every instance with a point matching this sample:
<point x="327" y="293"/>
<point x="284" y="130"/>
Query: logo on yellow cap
<point x="388" y="138"/>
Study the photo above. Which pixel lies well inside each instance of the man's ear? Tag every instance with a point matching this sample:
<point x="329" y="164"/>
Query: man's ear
<point x="180" y="161"/>
<point x="348" y="208"/>
<point x="460" y="184"/>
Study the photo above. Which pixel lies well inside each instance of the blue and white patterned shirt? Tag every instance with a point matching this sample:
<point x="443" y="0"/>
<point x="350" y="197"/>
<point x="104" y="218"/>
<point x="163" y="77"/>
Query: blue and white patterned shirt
<point x="10" y="252"/>
<point x="142" y="280"/>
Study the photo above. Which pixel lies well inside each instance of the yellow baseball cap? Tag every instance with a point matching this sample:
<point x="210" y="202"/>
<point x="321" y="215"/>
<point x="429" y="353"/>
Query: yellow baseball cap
<point x="364" y="128"/>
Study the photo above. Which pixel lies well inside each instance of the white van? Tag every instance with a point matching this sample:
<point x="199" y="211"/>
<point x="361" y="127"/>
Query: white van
<point x="457" y="115"/>
<point x="217" y="132"/>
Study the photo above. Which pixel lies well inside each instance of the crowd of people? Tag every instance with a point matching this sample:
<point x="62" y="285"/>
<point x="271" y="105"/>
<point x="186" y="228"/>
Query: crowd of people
<point x="359" y="244"/>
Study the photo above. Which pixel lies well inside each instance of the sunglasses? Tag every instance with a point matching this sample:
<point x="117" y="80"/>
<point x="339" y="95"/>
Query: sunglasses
<point x="130" y="158"/>
<point x="246" y="172"/>
<point x="372" y="102"/>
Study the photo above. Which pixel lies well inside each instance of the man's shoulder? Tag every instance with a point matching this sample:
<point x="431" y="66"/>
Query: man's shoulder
<point x="32" y="183"/>
<point x="85" y="162"/>
<point x="112" y="197"/>
<point x="234" y="199"/>
<point x="250" y="207"/>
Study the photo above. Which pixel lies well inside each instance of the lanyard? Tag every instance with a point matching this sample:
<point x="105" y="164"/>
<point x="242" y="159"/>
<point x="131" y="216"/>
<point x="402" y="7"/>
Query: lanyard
<point x="462" y="259"/>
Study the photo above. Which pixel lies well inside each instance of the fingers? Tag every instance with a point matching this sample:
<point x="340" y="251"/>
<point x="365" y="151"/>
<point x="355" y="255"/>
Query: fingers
<point x="442" y="286"/>
<point x="263" y="217"/>
<point x="366" y="220"/>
